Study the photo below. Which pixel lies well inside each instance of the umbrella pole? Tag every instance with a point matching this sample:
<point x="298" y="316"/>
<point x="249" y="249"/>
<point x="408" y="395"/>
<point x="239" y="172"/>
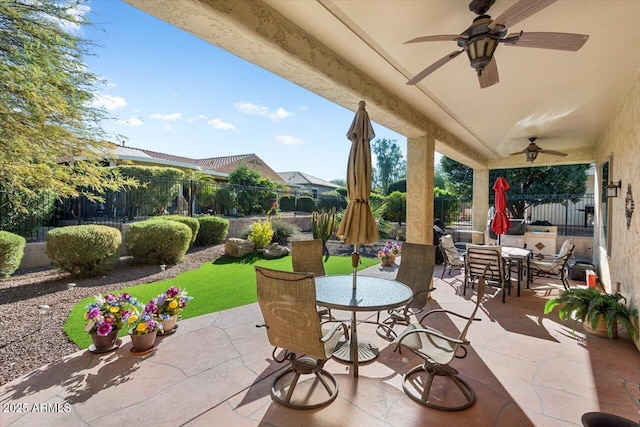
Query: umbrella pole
<point x="355" y="260"/>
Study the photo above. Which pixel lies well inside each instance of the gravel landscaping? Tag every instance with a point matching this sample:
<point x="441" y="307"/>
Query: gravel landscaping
<point x="25" y="346"/>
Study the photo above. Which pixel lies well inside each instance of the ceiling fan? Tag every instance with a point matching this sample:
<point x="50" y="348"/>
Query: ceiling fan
<point x="533" y="150"/>
<point x="481" y="39"/>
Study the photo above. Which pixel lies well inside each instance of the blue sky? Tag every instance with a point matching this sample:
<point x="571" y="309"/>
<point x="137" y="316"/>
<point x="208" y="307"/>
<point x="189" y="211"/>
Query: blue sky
<point x="171" y="92"/>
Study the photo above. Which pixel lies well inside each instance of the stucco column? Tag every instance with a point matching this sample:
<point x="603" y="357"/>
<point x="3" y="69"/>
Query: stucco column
<point x="420" y="153"/>
<point x="480" y="202"/>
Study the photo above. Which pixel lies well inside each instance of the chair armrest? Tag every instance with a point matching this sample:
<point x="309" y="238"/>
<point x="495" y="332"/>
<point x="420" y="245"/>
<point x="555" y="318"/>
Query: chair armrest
<point x="428" y="331"/>
<point x="332" y="332"/>
<point x="442" y="310"/>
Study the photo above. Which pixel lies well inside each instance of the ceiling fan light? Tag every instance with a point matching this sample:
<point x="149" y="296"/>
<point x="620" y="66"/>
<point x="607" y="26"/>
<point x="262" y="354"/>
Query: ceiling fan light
<point x="531" y="155"/>
<point x="480" y="51"/>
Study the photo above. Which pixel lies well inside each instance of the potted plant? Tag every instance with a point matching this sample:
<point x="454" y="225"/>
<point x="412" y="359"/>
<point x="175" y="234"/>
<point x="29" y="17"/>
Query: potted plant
<point x="144" y="326"/>
<point x="388" y="253"/>
<point x="170" y="304"/>
<point x="599" y="312"/>
<point x="105" y="319"/>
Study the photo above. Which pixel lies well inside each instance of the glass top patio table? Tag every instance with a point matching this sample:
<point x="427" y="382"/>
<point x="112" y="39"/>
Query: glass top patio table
<point x="371" y="294"/>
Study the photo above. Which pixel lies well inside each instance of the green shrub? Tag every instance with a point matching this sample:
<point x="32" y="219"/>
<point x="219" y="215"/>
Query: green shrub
<point x="306" y="204"/>
<point x="261" y="233"/>
<point x="11" y="252"/>
<point x="396" y="207"/>
<point x="192" y="223"/>
<point x="84" y="250"/>
<point x="213" y="230"/>
<point x="375" y="198"/>
<point x="282" y="231"/>
<point x="158" y="242"/>
<point x="331" y="199"/>
<point x="287" y="203"/>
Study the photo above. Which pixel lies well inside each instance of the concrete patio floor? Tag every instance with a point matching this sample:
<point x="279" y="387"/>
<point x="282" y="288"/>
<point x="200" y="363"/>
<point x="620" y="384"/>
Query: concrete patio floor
<point x="526" y="369"/>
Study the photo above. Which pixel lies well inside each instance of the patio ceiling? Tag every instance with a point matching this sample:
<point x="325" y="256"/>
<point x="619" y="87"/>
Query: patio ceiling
<point x="564" y="98"/>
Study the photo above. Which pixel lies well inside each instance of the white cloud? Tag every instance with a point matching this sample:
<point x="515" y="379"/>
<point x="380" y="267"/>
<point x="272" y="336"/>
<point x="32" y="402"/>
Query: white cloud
<point x="219" y="124"/>
<point x="249" y="108"/>
<point x="133" y="121"/>
<point x="78" y="12"/>
<point x="168" y="128"/>
<point x="304" y="108"/>
<point x="108" y="102"/>
<point x="280" y="114"/>
<point x="289" y="140"/>
<point x="202" y="117"/>
<point x="261" y="110"/>
<point x="167" y="117"/>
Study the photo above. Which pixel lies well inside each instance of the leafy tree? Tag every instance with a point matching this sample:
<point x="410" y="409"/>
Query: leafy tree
<point x="458" y="177"/>
<point x="396" y="207"/>
<point x="438" y="177"/>
<point x="158" y="188"/>
<point x="46" y="113"/>
<point x="545" y="180"/>
<point x="252" y="199"/>
<point x="340" y="182"/>
<point x="390" y="164"/>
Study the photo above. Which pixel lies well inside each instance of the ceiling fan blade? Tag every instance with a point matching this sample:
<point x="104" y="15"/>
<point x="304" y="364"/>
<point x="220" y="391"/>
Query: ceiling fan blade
<point x="489" y="75"/>
<point x="431" y="68"/>
<point x="518" y="153"/>
<point x="558" y="41"/>
<point x="554" y="153"/>
<point x="519" y="11"/>
<point x="440" y="38"/>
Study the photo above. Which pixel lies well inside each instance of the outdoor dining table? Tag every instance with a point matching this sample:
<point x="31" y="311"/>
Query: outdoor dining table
<point x="514" y="255"/>
<point x="371" y="294"/>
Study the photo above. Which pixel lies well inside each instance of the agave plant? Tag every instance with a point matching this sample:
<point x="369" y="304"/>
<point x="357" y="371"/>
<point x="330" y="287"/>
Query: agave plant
<point x="588" y="304"/>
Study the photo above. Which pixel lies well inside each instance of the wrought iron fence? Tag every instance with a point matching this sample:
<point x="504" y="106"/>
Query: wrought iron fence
<point x="573" y="215"/>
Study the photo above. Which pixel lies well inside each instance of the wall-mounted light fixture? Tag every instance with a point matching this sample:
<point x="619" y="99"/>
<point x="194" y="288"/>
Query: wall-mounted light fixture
<point x="612" y="188"/>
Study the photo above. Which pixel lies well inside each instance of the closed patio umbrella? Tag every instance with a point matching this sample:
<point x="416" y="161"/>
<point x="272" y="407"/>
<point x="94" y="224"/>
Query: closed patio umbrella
<point x="358" y="225"/>
<point x="500" y="224"/>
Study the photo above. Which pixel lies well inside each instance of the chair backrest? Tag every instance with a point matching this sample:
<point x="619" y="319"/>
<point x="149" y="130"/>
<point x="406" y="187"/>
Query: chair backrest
<point x="485" y="260"/>
<point x="565" y="249"/>
<point x="288" y="304"/>
<point x="482" y="284"/>
<point x="306" y="257"/>
<point x="416" y="271"/>
<point x="449" y="249"/>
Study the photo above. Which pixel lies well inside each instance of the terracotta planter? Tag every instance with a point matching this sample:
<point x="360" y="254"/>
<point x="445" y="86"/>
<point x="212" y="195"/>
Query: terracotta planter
<point x="601" y="329"/>
<point x="144" y="342"/>
<point x="101" y="343"/>
<point x="393" y="258"/>
<point x="168" y="324"/>
<point x="386" y="262"/>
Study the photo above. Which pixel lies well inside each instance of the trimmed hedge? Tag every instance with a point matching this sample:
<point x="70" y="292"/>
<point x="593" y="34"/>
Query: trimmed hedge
<point x="213" y="230"/>
<point x="192" y="223"/>
<point x="11" y="252"/>
<point x="306" y="204"/>
<point x="84" y="250"/>
<point x="158" y="242"/>
<point x="287" y="203"/>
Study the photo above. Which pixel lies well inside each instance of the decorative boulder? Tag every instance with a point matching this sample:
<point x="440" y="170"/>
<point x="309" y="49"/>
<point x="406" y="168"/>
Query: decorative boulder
<point x="238" y="247"/>
<point x="276" y="251"/>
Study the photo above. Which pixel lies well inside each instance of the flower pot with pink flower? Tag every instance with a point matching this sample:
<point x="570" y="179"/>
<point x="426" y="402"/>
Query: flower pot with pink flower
<point x="104" y="320"/>
<point x="170" y="304"/>
<point x="144" y="326"/>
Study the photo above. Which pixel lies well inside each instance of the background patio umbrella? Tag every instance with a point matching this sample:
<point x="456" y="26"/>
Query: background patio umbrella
<point x="358" y="225"/>
<point x="500" y="223"/>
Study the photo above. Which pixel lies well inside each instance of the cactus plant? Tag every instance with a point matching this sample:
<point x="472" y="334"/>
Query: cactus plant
<point x="323" y="225"/>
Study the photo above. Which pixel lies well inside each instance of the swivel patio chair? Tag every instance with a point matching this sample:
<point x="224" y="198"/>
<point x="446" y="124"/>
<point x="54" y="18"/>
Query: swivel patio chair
<point x="438" y="351"/>
<point x="485" y="261"/>
<point x="306" y="257"/>
<point x="553" y="267"/>
<point x="417" y="263"/>
<point x="288" y="304"/>
<point x="453" y="258"/>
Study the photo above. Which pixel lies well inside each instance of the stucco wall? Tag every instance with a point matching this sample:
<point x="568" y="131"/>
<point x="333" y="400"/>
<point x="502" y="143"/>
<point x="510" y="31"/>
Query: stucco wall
<point x="621" y="140"/>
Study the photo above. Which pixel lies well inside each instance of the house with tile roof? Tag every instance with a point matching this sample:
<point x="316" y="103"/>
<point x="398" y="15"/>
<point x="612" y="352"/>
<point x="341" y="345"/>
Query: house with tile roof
<point x="305" y="181"/>
<point x="218" y="167"/>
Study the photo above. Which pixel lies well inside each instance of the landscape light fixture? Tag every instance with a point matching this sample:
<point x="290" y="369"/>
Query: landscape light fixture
<point x="43" y="310"/>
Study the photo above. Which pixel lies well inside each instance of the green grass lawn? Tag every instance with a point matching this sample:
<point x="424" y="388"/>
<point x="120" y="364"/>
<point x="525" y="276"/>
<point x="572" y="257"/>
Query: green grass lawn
<point x="215" y="286"/>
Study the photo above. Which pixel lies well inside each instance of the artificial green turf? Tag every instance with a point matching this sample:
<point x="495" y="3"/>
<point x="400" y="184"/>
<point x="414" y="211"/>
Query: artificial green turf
<point x="215" y="286"/>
